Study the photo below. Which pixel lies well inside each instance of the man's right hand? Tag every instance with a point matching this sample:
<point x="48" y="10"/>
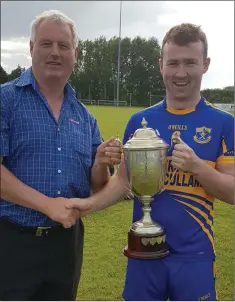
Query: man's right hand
<point x="82" y="205"/>
<point x="57" y="211"/>
<point x="15" y="191"/>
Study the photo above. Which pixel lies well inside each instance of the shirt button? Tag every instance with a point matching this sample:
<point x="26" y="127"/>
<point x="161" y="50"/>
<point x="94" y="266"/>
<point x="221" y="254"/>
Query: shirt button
<point x="59" y="149"/>
<point x="59" y="171"/>
<point x="58" y="192"/>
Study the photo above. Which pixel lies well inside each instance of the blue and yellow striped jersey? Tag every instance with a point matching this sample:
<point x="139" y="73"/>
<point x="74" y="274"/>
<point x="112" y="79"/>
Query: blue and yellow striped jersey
<point x="184" y="208"/>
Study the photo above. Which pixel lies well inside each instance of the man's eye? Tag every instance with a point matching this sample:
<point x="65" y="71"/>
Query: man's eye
<point x="191" y="63"/>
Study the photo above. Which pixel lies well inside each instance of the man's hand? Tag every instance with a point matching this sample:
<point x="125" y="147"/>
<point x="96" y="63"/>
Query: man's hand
<point x="114" y="190"/>
<point x="109" y="153"/>
<point x="184" y="158"/>
<point x="57" y="211"/>
<point x="83" y="206"/>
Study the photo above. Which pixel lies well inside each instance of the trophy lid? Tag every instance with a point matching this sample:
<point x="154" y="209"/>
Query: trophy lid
<point x="145" y="138"/>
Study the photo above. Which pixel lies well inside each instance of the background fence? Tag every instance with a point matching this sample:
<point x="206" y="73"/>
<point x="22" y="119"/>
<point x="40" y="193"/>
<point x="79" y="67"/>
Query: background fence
<point x="152" y="101"/>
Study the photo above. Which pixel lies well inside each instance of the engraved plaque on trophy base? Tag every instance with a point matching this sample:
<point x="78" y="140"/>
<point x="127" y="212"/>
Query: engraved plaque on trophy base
<point x="146" y="247"/>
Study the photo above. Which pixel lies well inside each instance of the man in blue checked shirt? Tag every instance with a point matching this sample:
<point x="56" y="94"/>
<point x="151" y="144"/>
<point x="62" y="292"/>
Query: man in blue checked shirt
<point x="51" y="152"/>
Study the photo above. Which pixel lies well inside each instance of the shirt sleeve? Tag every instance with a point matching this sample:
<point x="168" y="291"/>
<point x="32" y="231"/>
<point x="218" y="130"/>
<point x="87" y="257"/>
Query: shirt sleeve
<point x="5" y="124"/>
<point x="96" y="139"/>
<point x="226" y="150"/>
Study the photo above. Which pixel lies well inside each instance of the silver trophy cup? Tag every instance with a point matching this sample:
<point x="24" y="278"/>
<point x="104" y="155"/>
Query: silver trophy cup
<point x="145" y="159"/>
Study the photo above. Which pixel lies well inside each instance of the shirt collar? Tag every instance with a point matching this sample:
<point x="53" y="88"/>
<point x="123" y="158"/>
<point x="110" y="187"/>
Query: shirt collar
<point x="27" y="78"/>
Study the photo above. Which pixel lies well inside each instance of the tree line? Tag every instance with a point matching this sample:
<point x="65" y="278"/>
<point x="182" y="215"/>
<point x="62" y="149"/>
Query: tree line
<point x="95" y="73"/>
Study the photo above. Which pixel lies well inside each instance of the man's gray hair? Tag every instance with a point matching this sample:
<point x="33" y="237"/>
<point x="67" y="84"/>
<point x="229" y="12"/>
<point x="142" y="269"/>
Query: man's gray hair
<point x="53" y="15"/>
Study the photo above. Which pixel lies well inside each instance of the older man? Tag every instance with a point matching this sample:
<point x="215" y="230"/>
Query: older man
<point x="51" y="150"/>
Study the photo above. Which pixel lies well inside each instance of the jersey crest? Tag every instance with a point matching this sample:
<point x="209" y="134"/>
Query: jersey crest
<point x="203" y="135"/>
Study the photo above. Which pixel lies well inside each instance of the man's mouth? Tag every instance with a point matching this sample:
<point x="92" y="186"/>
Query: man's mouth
<point x="181" y="84"/>
<point x="54" y="63"/>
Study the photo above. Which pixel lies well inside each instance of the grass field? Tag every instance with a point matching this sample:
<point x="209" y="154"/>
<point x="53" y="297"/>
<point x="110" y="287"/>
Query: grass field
<point x="104" y="265"/>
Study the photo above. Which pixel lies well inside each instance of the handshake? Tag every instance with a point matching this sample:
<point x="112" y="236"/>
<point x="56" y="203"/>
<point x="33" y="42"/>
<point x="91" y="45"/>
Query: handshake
<point x="67" y="211"/>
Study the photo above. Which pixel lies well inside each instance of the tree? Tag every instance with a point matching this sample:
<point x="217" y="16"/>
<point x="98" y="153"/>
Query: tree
<point x="3" y="75"/>
<point x="231" y="88"/>
<point x="16" y="73"/>
<point x="225" y="95"/>
<point x="95" y="75"/>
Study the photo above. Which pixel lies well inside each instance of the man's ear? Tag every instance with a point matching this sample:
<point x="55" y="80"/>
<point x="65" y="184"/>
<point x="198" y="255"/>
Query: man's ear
<point x="76" y="53"/>
<point x="206" y="64"/>
<point x="31" y="47"/>
<point x="160" y="61"/>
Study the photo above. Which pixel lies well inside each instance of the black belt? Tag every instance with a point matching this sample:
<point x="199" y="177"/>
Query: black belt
<point x="37" y="231"/>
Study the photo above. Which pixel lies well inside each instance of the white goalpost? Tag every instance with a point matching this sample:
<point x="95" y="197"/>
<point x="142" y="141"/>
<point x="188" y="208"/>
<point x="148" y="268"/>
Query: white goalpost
<point x="110" y="103"/>
<point x="88" y="102"/>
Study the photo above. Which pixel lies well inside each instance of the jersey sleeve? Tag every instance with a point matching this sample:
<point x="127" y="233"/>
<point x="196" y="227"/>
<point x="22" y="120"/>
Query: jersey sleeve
<point x="226" y="150"/>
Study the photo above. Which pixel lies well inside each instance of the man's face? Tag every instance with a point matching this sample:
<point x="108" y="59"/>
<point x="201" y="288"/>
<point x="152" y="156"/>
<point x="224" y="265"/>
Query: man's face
<point x="53" y="54"/>
<point x="182" y="68"/>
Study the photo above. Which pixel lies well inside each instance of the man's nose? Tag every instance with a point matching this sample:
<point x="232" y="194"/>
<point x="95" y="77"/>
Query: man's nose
<point x="55" y="50"/>
<point x="181" y="71"/>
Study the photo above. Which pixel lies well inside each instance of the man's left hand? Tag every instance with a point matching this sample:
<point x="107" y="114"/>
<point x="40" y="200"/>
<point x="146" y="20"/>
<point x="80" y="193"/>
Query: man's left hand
<point x="109" y="153"/>
<point x="184" y="158"/>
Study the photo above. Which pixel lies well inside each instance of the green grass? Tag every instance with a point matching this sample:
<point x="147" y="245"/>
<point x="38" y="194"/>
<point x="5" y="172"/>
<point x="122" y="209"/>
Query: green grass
<point x="112" y="120"/>
<point x="104" y="265"/>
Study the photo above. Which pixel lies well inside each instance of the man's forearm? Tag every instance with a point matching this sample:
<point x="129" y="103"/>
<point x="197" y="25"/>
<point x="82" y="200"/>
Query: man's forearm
<point x="100" y="175"/>
<point x="15" y="191"/>
<point x="215" y="183"/>
<point x="115" y="190"/>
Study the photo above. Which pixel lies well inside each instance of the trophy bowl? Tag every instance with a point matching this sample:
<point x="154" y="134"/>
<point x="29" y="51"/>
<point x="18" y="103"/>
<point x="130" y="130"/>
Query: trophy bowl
<point x="145" y="159"/>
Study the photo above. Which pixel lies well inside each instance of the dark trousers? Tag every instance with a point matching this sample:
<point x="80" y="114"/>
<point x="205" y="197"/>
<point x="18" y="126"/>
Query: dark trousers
<point x="35" y="268"/>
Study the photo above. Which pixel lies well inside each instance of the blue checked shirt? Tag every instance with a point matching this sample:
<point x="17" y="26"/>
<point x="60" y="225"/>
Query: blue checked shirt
<point x="52" y="157"/>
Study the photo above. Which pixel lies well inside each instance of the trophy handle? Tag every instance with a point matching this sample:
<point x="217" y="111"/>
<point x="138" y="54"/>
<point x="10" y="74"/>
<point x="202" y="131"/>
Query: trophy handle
<point x="121" y="147"/>
<point x="130" y="194"/>
<point x="118" y="140"/>
<point x="176" y="139"/>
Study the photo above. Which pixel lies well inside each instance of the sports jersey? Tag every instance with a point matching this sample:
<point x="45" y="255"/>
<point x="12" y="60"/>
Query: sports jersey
<point x="184" y="209"/>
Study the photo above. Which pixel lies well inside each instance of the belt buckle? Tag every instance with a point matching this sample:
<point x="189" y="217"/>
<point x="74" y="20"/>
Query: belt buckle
<point x="39" y="231"/>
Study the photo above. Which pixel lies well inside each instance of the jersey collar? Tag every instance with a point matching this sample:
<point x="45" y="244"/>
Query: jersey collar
<point x="184" y="111"/>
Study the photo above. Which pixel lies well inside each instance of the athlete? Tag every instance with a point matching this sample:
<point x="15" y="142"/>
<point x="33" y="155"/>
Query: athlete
<point x="204" y="159"/>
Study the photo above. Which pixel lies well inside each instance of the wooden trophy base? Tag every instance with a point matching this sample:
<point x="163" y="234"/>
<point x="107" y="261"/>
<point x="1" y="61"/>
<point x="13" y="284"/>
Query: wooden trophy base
<point x="146" y="246"/>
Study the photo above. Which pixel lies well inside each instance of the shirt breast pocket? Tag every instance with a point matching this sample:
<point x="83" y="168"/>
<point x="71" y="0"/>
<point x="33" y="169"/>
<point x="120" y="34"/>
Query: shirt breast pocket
<point x="81" y="146"/>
